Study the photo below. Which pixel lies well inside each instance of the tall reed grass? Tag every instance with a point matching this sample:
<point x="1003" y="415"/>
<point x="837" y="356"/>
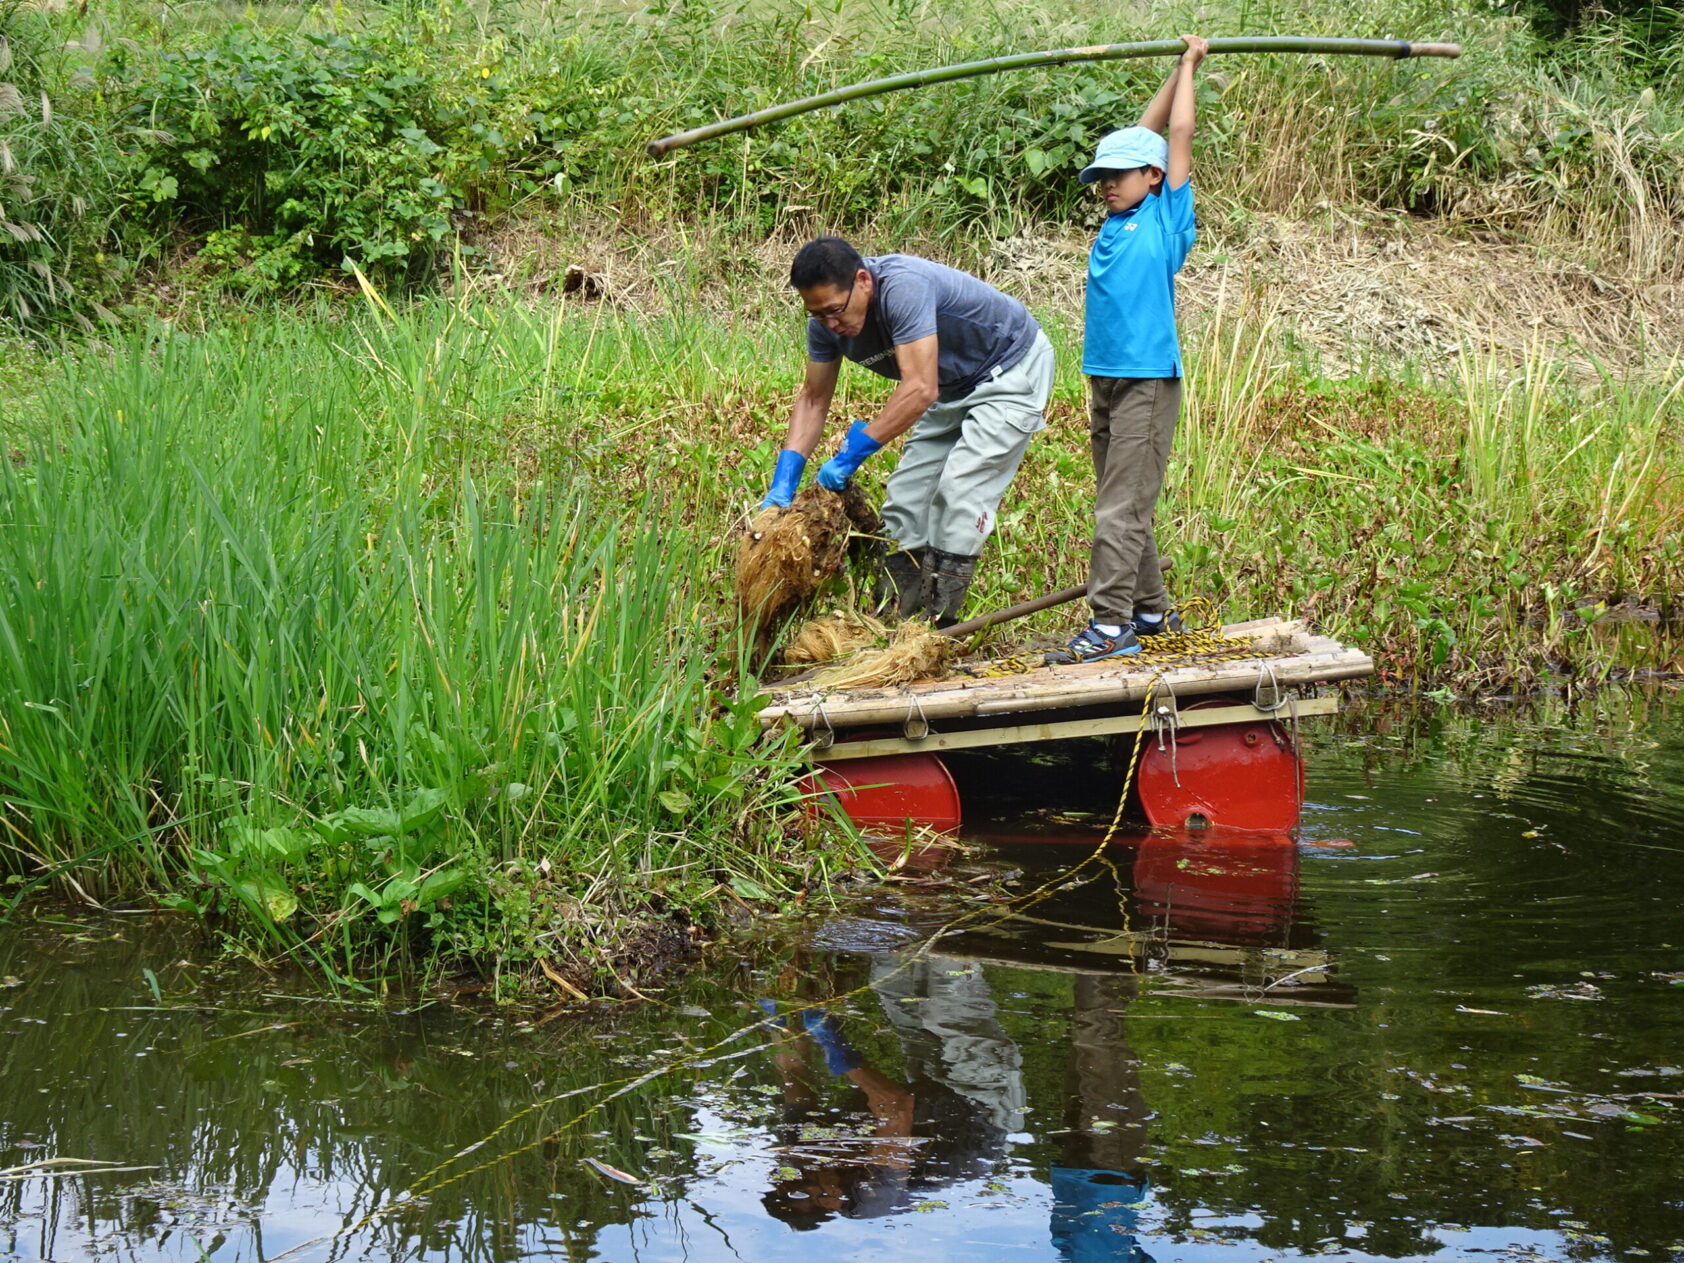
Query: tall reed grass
<point x="280" y="636"/>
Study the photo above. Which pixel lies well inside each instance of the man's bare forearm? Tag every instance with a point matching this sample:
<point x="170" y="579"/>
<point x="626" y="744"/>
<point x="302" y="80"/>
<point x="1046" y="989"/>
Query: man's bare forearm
<point x="901" y="411"/>
<point x="806" y="423"/>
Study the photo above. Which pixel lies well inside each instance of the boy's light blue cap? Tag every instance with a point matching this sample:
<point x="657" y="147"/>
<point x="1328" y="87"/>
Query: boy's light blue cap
<point x="1126" y="149"/>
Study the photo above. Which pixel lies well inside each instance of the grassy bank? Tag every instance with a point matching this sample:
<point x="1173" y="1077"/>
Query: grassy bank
<point x="405" y="639"/>
<point x="297" y="636"/>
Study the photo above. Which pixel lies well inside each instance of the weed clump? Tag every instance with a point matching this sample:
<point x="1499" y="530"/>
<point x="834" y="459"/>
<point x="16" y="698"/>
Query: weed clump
<point x="833" y="636"/>
<point x="785" y="555"/>
<point x="916" y="652"/>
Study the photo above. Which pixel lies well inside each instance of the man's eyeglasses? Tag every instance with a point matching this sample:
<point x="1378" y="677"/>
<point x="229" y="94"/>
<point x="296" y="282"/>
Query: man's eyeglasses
<point x="833" y="312"/>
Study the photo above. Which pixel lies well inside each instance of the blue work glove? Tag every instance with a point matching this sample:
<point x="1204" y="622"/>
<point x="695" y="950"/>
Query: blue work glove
<point x="786" y="477"/>
<point x="822" y="1028"/>
<point x="835" y="473"/>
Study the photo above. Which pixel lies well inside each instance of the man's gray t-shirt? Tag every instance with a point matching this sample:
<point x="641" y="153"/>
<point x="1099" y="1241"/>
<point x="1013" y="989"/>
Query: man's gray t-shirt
<point x="980" y="332"/>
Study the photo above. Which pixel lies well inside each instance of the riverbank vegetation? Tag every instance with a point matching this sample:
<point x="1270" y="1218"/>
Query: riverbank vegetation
<point x="384" y="638"/>
<point x="379" y="418"/>
<point x="287" y="633"/>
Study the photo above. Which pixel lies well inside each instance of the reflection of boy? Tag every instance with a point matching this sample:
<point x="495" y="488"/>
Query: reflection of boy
<point x="1099" y="1183"/>
<point x="1133" y="360"/>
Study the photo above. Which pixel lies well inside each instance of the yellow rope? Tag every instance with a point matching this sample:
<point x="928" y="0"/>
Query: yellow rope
<point x="1200" y="640"/>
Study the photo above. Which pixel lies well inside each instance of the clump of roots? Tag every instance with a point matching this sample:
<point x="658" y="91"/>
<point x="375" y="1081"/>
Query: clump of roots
<point x="785" y="555"/>
<point x="915" y="653"/>
<point x="834" y="636"/>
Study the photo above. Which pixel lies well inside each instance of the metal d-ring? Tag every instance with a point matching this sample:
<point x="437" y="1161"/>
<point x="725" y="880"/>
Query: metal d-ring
<point x="1168" y="717"/>
<point x="1276" y="697"/>
<point x="828" y="738"/>
<point x="915" y="729"/>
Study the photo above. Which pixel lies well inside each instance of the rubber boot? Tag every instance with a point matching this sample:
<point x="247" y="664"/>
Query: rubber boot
<point x="946" y="585"/>
<point x="900" y="585"/>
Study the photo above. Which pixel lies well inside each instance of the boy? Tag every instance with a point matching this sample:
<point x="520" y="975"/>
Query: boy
<point x="1133" y="361"/>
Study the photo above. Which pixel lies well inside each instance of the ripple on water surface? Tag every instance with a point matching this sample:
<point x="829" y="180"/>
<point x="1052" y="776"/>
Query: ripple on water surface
<point x="1446" y="1025"/>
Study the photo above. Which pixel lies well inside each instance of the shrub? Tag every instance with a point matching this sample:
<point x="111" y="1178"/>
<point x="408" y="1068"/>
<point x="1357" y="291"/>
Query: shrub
<point x="335" y="147"/>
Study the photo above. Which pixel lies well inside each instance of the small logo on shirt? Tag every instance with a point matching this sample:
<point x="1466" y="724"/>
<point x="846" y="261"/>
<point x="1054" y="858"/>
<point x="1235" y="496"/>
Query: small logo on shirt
<point x="1130" y="226"/>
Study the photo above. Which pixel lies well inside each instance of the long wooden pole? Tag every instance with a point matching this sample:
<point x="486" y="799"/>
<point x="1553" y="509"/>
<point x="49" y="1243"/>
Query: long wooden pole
<point x="1396" y="48"/>
<point x="1062" y="597"/>
<point x="986" y="621"/>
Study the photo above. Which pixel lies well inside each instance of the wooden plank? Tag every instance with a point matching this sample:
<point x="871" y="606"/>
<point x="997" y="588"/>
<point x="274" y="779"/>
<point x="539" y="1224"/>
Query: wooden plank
<point x="1024" y="734"/>
<point x="1236" y="629"/>
<point x="853" y="711"/>
<point x="1241" y="676"/>
<point x="1314" y="659"/>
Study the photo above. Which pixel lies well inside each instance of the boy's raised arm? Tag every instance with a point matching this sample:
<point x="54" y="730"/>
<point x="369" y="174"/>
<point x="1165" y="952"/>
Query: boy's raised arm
<point x="1156" y="113"/>
<point x="1181" y="110"/>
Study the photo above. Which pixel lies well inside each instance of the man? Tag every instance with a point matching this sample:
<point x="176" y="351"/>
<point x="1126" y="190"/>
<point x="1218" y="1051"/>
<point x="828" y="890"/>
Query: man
<point x="973" y="370"/>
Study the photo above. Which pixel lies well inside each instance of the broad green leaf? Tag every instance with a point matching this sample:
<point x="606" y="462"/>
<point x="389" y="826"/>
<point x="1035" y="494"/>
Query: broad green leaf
<point x="422" y="810"/>
<point x="440" y="884"/>
<point x="363" y="822"/>
<point x="277" y="902"/>
<point x="750" y="889"/>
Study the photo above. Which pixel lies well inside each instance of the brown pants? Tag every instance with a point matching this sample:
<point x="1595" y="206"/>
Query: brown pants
<point x="1131" y="421"/>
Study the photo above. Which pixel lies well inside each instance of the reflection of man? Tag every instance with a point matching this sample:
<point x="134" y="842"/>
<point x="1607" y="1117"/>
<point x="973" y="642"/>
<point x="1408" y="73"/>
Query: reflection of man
<point x="862" y="1178"/>
<point x="973" y="372"/>
<point x="1100" y="1183"/>
<point x="961" y="1097"/>
<point x="950" y="1035"/>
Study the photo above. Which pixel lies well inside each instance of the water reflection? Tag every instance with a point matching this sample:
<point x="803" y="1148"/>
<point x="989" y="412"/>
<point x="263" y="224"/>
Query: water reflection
<point x="944" y="1113"/>
<point x="1456" y="1038"/>
<point x="1213" y="914"/>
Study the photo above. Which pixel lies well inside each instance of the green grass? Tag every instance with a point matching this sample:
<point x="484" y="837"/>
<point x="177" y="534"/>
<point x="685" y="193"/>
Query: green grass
<point x="283" y="636"/>
<point x="406" y="641"/>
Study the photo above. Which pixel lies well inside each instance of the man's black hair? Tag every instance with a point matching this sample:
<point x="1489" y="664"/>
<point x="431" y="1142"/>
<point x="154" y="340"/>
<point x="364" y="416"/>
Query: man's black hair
<point x="825" y="261"/>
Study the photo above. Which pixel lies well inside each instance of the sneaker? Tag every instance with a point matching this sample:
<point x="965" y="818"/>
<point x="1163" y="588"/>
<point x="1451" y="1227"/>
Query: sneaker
<point x="1090" y="644"/>
<point x="1170" y="622"/>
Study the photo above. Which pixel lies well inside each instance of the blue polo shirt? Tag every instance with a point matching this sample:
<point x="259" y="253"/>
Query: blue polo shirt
<point x="1131" y="288"/>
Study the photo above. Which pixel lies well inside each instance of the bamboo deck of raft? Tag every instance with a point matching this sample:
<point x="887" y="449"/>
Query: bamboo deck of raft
<point x="1288" y="655"/>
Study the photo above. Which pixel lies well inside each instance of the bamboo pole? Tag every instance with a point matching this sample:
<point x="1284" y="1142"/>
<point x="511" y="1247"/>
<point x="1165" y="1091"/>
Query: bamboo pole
<point x="1396" y="48"/>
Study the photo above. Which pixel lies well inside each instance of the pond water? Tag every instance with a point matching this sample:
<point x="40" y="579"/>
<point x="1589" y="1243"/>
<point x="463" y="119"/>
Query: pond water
<point x="1447" y="1023"/>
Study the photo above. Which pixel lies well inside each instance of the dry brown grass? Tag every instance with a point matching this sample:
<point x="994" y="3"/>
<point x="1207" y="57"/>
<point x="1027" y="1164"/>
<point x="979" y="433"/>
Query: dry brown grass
<point x="835" y="635"/>
<point x="915" y="653"/>
<point x="1352" y="284"/>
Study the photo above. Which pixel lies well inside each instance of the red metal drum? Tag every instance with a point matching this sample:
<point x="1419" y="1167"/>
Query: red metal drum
<point x="891" y="789"/>
<point x="1237" y="776"/>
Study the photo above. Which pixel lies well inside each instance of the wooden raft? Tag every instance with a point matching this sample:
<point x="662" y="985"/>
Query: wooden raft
<point x="1287" y="655"/>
